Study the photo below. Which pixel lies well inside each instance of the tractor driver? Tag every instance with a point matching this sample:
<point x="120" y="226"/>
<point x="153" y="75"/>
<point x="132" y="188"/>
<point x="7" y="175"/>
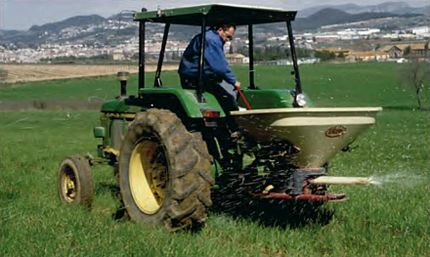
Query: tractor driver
<point x="216" y="68"/>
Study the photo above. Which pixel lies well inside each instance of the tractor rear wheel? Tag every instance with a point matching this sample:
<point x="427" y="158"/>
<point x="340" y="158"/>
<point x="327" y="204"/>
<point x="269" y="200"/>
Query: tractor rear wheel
<point x="75" y="183"/>
<point x="164" y="172"/>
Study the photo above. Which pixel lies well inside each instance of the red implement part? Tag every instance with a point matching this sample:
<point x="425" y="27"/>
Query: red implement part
<point x="306" y="197"/>
<point x="242" y="95"/>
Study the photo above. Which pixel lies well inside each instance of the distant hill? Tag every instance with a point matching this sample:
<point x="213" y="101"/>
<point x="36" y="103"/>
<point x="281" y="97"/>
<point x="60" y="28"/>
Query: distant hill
<point x="123" y="16"/>
<point x="76" y="21"/>
<point x="387" y="7"/>
<point x="312" y="10"/>
<point x="331" y="16"/>
<point x="323" y="17"/>
<point x="94" y="29"/>
<point x="88" y="29"/>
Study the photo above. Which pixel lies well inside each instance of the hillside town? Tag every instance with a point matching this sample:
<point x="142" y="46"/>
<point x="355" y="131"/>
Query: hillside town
<point x="349" y="44"/>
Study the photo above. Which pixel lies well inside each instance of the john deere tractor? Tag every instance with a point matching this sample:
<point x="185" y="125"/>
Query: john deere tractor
<point x="170" y="147"/>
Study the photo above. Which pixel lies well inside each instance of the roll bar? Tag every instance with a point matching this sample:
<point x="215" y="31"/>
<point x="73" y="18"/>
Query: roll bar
<point x="200" y="86"/>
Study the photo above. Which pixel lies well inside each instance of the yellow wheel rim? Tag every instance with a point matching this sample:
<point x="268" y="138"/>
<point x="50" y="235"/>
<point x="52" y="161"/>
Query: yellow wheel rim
<point x="148" y="176"/>
<point x="69" y="184"/>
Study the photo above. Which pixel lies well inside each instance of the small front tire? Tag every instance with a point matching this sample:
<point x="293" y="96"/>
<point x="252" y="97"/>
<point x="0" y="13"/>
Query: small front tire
<point x="75" y="183"/>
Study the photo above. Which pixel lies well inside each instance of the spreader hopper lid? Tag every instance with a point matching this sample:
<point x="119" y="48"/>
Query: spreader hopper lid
<point x="322" y="121"/>
<point x="311" y="111"/>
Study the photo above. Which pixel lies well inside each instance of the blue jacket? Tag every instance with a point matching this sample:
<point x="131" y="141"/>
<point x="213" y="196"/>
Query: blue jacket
<point x="215" y="63"/>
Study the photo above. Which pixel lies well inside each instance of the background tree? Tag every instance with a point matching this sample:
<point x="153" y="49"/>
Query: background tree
<point x="407" y="51"/>
<point x="416" y="75"/>
<point x="325" y="55"/>
<point x="426" y="50"/>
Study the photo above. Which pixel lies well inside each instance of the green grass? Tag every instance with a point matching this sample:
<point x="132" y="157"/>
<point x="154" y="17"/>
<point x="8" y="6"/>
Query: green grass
<point x="367" y="84"/>
<point x="387" y="220"/>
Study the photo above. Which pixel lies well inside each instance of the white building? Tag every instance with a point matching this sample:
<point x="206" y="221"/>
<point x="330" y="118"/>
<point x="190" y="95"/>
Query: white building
<point x="421" y="30"/>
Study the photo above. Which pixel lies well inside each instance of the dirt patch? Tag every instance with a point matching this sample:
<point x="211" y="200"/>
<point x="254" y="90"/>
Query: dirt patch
<point x="43" y="105"/>
<point x="38" y="72"/>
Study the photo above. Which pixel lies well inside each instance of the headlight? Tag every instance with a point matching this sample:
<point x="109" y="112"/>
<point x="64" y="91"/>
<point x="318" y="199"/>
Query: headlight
<point x="301" y="100"/>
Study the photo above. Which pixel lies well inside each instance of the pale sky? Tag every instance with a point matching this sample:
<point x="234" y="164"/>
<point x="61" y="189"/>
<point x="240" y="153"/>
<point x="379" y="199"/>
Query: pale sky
<point x="22" y="14"/>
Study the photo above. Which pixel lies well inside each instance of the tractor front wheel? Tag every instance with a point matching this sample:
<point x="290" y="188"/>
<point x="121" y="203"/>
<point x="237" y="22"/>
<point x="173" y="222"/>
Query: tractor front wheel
<point x="75" y="182"/>
<point x="164" y="172"/>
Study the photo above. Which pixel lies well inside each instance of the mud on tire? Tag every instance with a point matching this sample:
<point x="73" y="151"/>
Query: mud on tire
<point x="164" y="172"/>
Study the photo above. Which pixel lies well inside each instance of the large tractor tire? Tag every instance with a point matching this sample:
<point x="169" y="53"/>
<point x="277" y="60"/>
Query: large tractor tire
<point x="75" y="183"/>
<point x="164" y="172"/>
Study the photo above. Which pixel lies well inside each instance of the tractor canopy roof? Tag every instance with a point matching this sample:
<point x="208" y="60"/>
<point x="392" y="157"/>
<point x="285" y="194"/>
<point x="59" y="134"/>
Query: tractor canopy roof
<point x="217" y="14"/>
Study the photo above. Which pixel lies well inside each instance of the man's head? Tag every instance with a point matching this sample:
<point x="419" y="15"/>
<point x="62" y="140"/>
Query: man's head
<point x="226" y="31"/>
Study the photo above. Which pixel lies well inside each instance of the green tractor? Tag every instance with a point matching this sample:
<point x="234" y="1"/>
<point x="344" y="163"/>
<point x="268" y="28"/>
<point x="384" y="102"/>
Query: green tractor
<point x="170" y="147"/>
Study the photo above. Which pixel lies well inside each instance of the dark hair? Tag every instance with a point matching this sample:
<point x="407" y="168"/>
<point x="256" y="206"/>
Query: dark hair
<point x="226" y="26"/>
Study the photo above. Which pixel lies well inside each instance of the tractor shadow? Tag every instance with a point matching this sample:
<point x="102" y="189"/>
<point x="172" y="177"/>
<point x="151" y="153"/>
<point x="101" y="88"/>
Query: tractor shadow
<point x="120" y="214"/>
<point x="282" y="214"/>
<point x="270" y="213"/>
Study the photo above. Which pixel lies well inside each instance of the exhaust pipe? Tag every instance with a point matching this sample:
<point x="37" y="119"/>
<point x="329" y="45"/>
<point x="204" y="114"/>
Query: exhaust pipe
<point x="329" y="180"/>
<point x="123" y="77"/>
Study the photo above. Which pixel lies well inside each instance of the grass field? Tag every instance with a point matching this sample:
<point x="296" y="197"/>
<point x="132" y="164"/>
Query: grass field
<point x="328" y="85"/>
<point x="387" y="220"/>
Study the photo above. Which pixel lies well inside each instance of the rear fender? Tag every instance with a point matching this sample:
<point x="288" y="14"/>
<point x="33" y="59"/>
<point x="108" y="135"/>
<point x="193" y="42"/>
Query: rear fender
<point x="118" y="113"/>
